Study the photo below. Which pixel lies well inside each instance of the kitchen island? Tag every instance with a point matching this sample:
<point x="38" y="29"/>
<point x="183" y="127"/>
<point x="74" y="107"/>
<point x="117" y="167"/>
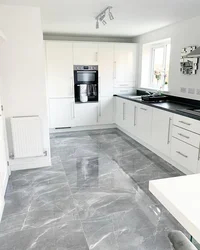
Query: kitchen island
<point x="180" y="196"/>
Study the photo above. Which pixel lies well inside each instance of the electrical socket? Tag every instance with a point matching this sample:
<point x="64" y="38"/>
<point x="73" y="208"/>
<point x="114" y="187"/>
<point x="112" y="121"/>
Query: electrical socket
<point x="191" y="91"/>
<point x="183" y="90"/>
<point x="198" y="91"/>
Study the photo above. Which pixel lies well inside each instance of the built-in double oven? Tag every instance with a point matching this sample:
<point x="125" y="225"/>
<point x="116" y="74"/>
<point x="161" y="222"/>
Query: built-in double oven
<point x="86" y="83"/>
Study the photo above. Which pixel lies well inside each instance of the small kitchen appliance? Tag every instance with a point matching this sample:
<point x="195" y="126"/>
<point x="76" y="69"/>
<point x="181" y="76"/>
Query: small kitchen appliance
<point x="86" y="83"/>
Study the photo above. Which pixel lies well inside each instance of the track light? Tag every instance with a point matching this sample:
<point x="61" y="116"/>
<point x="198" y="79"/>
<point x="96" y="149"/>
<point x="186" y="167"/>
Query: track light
<point x="102" y="15"/>
<point x="110" y="15"/>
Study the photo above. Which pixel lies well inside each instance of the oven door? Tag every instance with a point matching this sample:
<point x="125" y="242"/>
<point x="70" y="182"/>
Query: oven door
<point x="85" y="77"/>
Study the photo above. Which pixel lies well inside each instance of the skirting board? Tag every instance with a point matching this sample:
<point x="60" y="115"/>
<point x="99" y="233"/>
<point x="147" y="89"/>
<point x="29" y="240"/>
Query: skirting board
<point x="30" y="163"/>
<point x="60" y="130"/>
<point x="176" y="165"/>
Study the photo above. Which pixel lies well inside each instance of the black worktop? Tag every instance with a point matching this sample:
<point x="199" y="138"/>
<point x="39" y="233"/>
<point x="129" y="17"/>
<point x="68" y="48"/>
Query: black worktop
<point x="174" y="104"/>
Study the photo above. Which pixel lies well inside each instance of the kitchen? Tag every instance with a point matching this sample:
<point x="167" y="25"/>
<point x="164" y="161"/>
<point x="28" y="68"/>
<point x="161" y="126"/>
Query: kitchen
<point x="93" y="164"/>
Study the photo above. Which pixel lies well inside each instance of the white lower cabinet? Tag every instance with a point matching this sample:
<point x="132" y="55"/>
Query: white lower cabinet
<point x="61" y="112"/>
<point x="162" y="130"/>
<point x="184" y="154"/>
<point x="86" y="114"/>
<point x="144" y="122"/>
<point x="105" y="110"/>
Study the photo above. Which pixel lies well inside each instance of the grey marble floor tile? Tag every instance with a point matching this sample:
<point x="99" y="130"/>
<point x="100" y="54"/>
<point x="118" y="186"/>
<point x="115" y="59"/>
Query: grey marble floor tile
<point x="68" y="236"/>
<point x="95" y="196"/>
<point x="97" y="205"/>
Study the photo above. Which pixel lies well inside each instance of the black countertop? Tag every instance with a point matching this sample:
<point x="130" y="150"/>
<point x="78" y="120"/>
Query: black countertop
<point x="174" y="104"/>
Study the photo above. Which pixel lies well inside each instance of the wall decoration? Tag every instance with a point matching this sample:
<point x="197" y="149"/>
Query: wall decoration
<point x="189" y="66"/>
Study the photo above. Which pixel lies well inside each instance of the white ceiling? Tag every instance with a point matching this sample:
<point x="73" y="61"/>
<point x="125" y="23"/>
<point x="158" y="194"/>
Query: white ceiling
<point x="132" y="17"/>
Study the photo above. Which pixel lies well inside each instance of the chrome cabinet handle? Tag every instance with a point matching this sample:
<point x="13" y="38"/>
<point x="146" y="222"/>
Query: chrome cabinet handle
<point x="115" y="68"/>
<point x="185" y="136"/>
<point x="169" y="128"/>
<point x="124" y="111"/>
<point x="135" y="108"/>
<point x="96" y="56"/>
<point x="143" y="109"/>
<point x="100" y="108"/>
<point x="199" y="153"/>
<point x="178" y="152"/>
<point x="186" y="123"/>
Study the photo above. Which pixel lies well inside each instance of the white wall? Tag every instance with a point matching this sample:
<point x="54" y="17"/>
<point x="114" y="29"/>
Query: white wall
<point x="23" y="71"/>
<point x="182" y="34"/>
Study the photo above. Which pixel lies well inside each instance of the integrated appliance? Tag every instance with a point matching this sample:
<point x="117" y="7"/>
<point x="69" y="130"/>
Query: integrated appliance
<point x="86" y="83"/>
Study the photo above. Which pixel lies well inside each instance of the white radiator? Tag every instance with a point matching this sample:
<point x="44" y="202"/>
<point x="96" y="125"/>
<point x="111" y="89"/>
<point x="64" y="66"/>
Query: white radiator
<point x="26" y="136"/>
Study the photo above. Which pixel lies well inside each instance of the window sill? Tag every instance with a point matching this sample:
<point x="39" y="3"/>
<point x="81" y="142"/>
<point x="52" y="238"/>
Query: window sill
<point x="153" y="90"/>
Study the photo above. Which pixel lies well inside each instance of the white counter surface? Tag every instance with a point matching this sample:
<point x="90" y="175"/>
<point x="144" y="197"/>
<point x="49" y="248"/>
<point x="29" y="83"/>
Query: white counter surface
<point x="181" y="197"/>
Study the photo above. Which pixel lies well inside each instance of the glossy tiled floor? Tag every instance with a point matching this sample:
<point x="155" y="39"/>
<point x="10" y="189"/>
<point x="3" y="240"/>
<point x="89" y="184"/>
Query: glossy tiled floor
<point x="95" y="196"/>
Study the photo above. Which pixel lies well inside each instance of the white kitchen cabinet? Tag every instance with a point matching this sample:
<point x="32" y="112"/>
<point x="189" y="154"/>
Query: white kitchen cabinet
<point x="162" y="130"/>
<point x="85" y="53"/>
<point x="184" y="154"/>
<point x="119" y="111"/>
<point x="86" y="114"/>
<point x="59" y="66"/>
<point x="105" y="60"/>
<point x="130" y="109"/>
<point x="125" y="114"/>
<point x="144" y="122"/>
<point x="125" y="56"/>
<point x="105" y="110"/>
<point x="61" y="112"/>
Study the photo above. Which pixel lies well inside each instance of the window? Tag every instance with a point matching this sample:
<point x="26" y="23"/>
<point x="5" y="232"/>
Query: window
<point x="155" y="65"/>
<point x="160" y="66"/>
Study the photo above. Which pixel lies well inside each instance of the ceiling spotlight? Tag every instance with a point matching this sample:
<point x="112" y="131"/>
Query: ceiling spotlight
<point x="97" y="24"/>
<point x="102" y="15"/>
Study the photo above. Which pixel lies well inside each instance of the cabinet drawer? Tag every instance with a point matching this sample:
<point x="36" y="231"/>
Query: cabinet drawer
<point x="184" y="154"/>
<point x="187" y="123"/>
<point x="186" y="136"/>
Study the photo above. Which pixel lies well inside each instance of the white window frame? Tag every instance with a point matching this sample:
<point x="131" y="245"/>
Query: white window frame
<point x="154" y="47"/>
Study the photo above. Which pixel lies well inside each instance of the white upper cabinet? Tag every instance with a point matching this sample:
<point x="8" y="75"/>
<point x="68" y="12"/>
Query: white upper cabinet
<point x="125" y="56"/>
<point x="162" y="131"/>
<point x="85" y="53"/>
<point x="105" y="60"/>
<point x="59" y="57"/>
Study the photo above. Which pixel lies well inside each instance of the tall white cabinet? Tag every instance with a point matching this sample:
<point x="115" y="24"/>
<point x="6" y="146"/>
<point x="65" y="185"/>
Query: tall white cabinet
<point x="117" y="70"/>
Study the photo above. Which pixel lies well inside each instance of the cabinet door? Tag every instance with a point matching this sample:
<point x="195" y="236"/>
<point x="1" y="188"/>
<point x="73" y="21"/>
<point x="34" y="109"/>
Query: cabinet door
<point x="86" y="114"/>
<point x="162" y="131"/>
<point x="59" y="60"/>
<point x="105" y="110"/>
<point x="3" y="159"/>
<point x="144" y="122"/>
<point x="106" y="64"/>
<point x="119" y="114"/>
<point x="61" y="112"/>
<point x="130" y="117"/>
<point x="125" y="56"/>
<point x="85" y="53"/>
